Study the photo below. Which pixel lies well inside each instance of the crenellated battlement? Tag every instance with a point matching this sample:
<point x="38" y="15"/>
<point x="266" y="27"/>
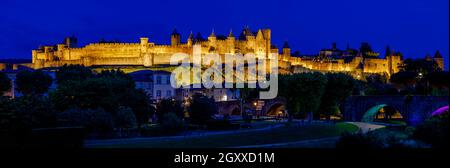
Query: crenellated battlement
<point x="149" y="53"/>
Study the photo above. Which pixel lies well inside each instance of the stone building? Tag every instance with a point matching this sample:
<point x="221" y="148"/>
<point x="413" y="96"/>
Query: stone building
<point x="146" y="53"/>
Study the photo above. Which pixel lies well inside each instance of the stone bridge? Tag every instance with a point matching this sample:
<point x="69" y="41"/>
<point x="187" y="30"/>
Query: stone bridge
<point x="414" y="109"/>
<point x="268" y="107"/>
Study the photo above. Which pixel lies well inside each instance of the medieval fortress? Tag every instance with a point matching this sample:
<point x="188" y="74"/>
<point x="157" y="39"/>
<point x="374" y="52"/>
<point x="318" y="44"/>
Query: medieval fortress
<point x="147" y="53"/>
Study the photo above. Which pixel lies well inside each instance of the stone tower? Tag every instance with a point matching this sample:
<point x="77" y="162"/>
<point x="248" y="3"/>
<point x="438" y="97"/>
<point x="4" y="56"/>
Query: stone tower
<point x="286" y="49"/>
<point x="439" y="60"/>
<point x="71" y="42"/>
<point x="212" y="39"/>
<point x="147" y="58"/>
<point x="394" y="59"/>
<point x="230" y="42"/>
<point x="175" y="38"/>
<point x="190" y="39"/>
<point x="267" y="38"/>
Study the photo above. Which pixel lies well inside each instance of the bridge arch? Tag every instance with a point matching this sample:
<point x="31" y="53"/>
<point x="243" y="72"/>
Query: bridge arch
<point x="440" y="111"/>
<point x="229" y="108"/>
<point x="414" y="109"/>
<point x="235" y="111"/>
<point x="274" y="107"/>
<point x="384" y="111"/>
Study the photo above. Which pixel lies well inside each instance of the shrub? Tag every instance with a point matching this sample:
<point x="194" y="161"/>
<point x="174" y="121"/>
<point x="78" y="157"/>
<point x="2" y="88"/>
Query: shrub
<point x="358" y="141"/>
<point x="202" y="109"/>
<point x="97" y="120"/>
<point x="125" y="118"/>
<point x="171" y="123"/>
<point x="5" y="83"/>
<point x="33" y="82"/>
<point x="434" y="131"/>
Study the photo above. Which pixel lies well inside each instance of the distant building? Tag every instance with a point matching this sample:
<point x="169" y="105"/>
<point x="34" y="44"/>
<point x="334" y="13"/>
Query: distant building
<point x="218" y="94"/>
<point x="155" y="83"/>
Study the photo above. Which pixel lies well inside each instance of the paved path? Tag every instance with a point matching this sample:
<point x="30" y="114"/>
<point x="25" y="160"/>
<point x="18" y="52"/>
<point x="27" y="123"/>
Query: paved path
<point x="328" y="142"/>
<point x="366" y="127"/>
<point x="93" y="143"/>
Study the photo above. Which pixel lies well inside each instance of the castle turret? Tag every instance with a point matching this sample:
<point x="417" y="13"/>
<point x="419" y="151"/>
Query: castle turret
<point x="246" y="34"/>
<point x="394" y="59"/>
<point x="231" y="36"/>
<point x="259" y="36"/>
<point x="212" y="39"/>
<point x="230" y="42"/>
<point x="190" y="39"/>
<point x="212" y="36"/>
<point x="60" y="47"/>
<point x="175" y="38"/>
<point x="146" y="57"/>
<point x="267" y="37"/>
<point x="71" y="42"/>
<point x="198" y="38"/>
<point x="439" y="59"/>
<point x="144" y="42"/>
<point x="388" y="51"/>
<point x="286" y="49"/>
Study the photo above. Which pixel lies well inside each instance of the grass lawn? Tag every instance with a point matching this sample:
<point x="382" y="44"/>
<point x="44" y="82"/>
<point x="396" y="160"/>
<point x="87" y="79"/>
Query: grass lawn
<point x="276" y="135"/>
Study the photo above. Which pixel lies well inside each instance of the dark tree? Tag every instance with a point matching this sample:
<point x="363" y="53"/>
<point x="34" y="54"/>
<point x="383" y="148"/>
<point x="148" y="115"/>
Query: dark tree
<point x="201" y="109"/>
<point x="169" y="106"/>
<point x="94" y="120"/>
<point x="338" y="88"/>
<point x="5" y="83"/>
<point x="124" y="118"/>
<point x="107" y="90"/>
<point x="405" y="78"/>
<point x="35" y="111"/>
<point x="139" y="102"/>
<point x="72" y="72"/>
<point x="439" y="79"/>
<point x="171" y="123"/>
<point x="434" y="131"/>
<point x="33" y="82"/>
<point x="91" y="93"/>
<point x="303" y="92"/>
<point x="419" y="66"/>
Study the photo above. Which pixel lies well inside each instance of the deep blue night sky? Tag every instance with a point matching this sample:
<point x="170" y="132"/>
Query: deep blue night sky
<point x="415" y="27"/>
